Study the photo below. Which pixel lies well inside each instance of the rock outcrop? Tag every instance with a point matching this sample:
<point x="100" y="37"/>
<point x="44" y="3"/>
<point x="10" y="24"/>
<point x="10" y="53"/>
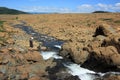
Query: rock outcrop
<point x="20" y="66"/>
<point x="74" y="51"/>
<point x="103" y="49"/>
<point x="72" y="78"/>
<point x="104" y="30"/>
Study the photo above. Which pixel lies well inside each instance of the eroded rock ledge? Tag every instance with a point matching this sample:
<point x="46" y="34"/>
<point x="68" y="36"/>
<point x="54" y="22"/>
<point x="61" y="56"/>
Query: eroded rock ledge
<point x="99" y="52"/>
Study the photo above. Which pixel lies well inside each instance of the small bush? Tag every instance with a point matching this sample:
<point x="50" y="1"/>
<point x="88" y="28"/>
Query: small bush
<point x="1" y="22"/>
<point x="1" y="26"/>
<point x="106" y="19"/>
<point x="117" y="21"/>
<point x="16" y="18"/>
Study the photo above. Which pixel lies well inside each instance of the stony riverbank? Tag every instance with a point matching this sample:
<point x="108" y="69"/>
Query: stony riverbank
<point x="20" y="62"/>
<point x="98" y="52"/>
<point x="92" y="43"/>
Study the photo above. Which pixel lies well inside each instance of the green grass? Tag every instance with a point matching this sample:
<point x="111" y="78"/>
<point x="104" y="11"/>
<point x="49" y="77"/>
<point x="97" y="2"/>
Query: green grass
<point x="16" y="18"/>
<point x="117" y="21"/>
<point x="2" y="39"/>
<point x="1" y="22"/>
<point x="1" y="26"/>
<point x="106" y="19"/>
<point x="2" y="30"/>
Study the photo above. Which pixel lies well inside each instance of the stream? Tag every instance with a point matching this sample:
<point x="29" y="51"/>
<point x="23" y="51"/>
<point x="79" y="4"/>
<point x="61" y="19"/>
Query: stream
<point x="48" y="41"/>
<point x="55" y="46"/>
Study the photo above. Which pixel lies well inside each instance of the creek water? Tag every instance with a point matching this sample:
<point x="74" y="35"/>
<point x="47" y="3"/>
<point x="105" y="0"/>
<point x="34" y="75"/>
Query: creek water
<point x="48" y="41"/>
<point x="72" y="68"/>
<point x="75" y="69"/>
<point x="55" y="46"/>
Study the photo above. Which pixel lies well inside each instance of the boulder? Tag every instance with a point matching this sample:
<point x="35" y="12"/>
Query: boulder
<point x="105" y="30"/>
<point x="35" y="78"/>
<point x="107" y="57"/>
<point x="42" y="48"/>
<point x="74" y="51"/>
<point x="24" y="76"/>
<point x="33" y="56"/>
<point x="115" y="58"/>
<point x="111" y="77"/>
<point x="112" y="41"/>
<point x="72" y="78"/>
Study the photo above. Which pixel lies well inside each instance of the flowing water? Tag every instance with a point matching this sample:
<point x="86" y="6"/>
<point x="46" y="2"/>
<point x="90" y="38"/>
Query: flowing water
<point x="72" y="68"/>
<point x="47" y="41"/>
<point x="55" y="45"/>
<point x="75" y="69"/>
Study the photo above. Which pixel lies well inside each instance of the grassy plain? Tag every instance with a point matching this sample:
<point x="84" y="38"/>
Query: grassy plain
<point x="63" y="26"/>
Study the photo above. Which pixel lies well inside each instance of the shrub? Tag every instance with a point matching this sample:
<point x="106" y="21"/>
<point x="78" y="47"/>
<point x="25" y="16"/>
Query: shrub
<point x="117" y="21"/>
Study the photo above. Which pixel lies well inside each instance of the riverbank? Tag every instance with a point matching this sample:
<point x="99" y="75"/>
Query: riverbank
<point x="19" y="61"/>
<point x="87" y="36"/>
<point x="86" y="43"/>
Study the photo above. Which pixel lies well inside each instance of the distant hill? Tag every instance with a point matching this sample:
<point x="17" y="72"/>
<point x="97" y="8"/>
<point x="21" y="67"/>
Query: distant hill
<point x="4" y="10"/>
<point x="100" y="12"/>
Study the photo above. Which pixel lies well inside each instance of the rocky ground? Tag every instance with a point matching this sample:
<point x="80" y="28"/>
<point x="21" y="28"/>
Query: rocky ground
<point x="20" y="62"/>
<point x="100" y="52"/>
<point x="17" y="60"/>
<point x="92" y="40"/>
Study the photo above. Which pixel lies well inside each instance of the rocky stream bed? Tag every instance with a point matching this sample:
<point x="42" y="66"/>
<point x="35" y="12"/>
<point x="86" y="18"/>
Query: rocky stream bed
<point x="62" y="60"/>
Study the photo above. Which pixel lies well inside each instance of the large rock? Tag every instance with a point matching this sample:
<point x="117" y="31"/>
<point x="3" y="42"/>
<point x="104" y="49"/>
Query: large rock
<point x="74" y="51"/>
<point x="108" y="57"/>
<point x="105" y="30"/>
<point x="104" y="50"/>
<point x="15" y="65"/>
<point x="111" y="77"/>
<point x="35" y="78"/>
<point x="112" y="41"/>
<point x="33" y="56"/>
<point x="72" y="78"/>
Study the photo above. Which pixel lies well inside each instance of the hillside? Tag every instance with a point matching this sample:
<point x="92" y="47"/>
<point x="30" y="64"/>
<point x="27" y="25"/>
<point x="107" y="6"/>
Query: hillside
<point x="4" y="10"/>
<point x="101" y="12"/>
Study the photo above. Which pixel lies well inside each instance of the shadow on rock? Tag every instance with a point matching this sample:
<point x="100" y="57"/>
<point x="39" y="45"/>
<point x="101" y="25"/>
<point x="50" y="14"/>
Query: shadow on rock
<point x="59" y="72"/>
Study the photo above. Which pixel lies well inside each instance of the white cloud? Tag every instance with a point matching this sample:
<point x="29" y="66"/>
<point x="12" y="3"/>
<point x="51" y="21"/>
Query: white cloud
<point x="117" y="4"/>
<point x="108" y="7"/>
<point x="46" y="9"/>
<point x="84" y="8"/>
<point x="117" y="7"/>
<point x="104" y="7"/>
<point x="87" y="8"/>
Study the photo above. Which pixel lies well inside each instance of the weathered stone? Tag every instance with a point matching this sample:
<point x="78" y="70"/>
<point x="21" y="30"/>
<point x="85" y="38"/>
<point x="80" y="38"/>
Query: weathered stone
<point x="111" y="77"/>
<point x="72" y="78"/>
<point x="33" y="56"/>
<point x="105" y="30"/>
<point x="74" y="51"/>
<point x="24" y="76"/>
<point x="35" y="78"/>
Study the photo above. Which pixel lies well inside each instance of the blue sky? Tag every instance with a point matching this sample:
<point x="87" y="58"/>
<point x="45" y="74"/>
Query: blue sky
<point x="62" y="6"/>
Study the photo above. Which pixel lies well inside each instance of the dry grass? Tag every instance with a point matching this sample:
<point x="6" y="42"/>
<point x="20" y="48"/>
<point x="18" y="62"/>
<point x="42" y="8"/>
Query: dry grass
<point x="65" y="26"/>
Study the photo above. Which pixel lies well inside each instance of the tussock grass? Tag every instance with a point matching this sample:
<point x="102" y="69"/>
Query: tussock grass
<point x="1" y="26"/>
<point x="106" y="19"/>
<point x="117" y="21"/>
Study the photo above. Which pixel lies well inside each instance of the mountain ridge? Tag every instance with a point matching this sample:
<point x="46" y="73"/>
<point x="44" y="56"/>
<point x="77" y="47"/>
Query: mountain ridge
<point x="5" y="10"/>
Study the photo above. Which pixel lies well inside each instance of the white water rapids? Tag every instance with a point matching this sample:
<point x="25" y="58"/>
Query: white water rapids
<point x="84" y="74"/>
<point x="49" y="54"/>
<point x="74" y="69"/>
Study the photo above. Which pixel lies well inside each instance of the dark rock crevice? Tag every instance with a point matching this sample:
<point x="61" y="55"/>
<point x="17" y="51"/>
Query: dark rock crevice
<point x="100" y="31"/>
<point x="98" y="64"/>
